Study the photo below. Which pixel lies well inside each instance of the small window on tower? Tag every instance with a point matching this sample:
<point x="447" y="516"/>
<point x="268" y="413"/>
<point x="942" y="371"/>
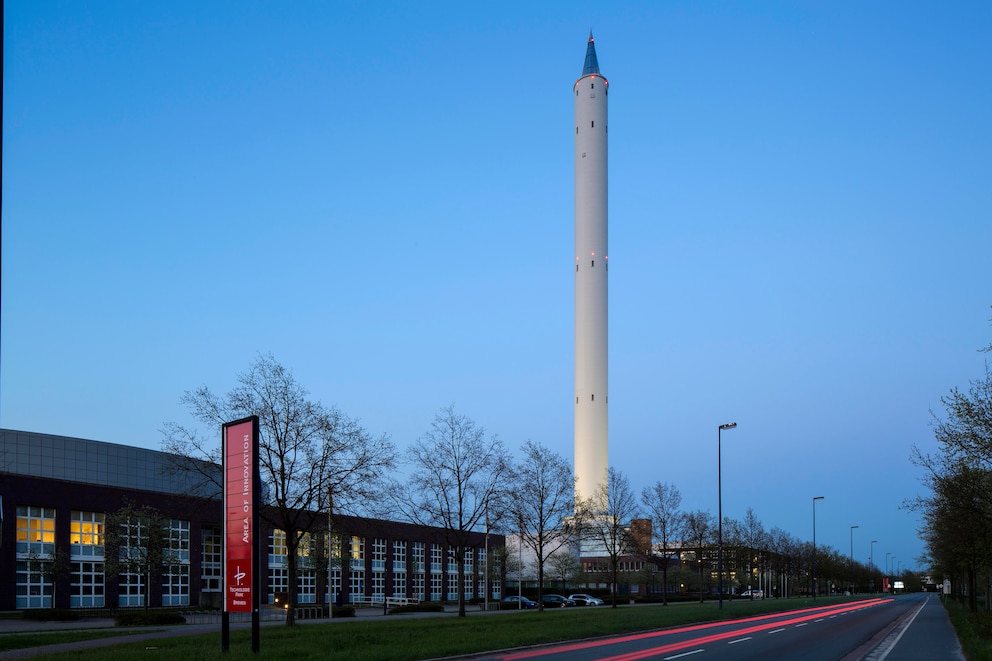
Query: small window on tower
<point x="592" y="262"/>
<point x="576" y="268"/>
<point x="576" y="130"/>
<point x="592" y="124"/>
<point x="592" y="86"/>
<point x="576" y="400"/>
<point x="594" y="398"/>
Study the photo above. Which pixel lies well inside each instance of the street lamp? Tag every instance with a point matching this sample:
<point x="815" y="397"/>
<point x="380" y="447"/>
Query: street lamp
<point x="871" y="558"/>
<point x="815" y="498"/>
<point x="719" y="513"/>
<point x="852" y="559"/>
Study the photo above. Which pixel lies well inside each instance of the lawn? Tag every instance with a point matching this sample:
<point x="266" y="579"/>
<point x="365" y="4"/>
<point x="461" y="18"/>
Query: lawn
<point x="974" y="630"/>
<point x="395" y="639"/>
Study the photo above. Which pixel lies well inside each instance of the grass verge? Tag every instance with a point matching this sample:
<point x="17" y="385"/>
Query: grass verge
<point x="438" y="636"/>
<point x="20" y="641"/>
<point x="974" y="630"/>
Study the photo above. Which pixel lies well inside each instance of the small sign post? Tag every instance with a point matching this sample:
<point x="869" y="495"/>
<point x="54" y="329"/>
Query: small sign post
<point x="242" y="569"/>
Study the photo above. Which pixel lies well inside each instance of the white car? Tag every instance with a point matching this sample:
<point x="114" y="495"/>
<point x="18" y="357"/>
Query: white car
<point x="585" y="600"/>
<point x="753" y="594"/>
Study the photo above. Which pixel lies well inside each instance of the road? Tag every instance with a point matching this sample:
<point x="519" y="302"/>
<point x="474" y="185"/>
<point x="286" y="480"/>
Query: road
<point x="885" y="629"/>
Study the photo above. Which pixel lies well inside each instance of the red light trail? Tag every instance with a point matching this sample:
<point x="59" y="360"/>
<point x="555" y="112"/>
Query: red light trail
<point x="804" y="615"/>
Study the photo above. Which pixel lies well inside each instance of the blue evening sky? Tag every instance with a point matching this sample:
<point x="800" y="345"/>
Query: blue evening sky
<point x="380" y="195"/>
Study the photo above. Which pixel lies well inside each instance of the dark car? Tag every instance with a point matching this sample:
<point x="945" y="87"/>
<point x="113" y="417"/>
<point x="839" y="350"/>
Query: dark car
<point x="509" y="603"/>
<point x="556" y="601"/>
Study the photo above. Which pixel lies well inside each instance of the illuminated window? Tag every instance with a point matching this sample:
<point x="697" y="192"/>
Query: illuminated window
<point x="86" y="530"/>
<point x="358" y="553"/>
<point x="278" y="553"/>
<point x="35" y="531"/>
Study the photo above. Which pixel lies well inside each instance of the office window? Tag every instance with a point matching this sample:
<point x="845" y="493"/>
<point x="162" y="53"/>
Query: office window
<point x="358" y="553"/>
<point x="32" y="589"/>
<point x="211" y="568"/>
<point x="86" y="587"/>
<point x="35" y="531"/>
<point x="357" y="585"/>
<point x="378" y="555"/>
<point x="306" y="586"/>
<point x="131" y="590"/>
<point x="399" y="556"/>
<point x="86" y="535"/>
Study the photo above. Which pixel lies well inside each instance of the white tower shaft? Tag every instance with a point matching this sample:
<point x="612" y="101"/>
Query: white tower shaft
<point x="591" y="393"/>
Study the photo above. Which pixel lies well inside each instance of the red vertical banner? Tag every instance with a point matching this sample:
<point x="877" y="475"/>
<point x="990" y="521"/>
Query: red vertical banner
<point x="240" y="456"/>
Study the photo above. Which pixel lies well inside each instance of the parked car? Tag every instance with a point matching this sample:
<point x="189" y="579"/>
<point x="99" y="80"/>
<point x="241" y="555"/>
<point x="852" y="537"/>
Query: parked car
<point x="585" y="600"/>
<point x="753" y="594"/>
<point x="556" y="601"/>
<point x="509" y="603"/>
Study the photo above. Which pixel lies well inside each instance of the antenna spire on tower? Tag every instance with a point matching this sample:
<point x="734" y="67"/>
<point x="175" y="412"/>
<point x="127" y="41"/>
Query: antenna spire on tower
<point x="592" y="64"/>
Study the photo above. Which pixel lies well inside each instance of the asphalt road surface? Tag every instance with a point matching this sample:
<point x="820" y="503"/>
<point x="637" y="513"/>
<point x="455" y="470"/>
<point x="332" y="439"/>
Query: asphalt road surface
<point x="885" y="629"/>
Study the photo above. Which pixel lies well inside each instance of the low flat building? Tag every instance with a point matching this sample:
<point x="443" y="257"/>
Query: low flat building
<point x="57" y="493"/>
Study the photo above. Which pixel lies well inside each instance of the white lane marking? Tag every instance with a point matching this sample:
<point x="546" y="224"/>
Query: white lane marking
<point x="776" y="630"/>
<point x="820" y="620"/>
<point x="802" y="624"/>
<point x="739" y="640"/>
<point x="679" y="656"/>
<point x="889" y="643"/>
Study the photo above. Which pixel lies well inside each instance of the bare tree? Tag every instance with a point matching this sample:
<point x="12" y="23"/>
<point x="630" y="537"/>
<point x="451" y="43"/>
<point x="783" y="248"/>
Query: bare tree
<point x="608" y="517"/>
<point x="663" y="502"/>
<point x="544" y="506"/>
<point x="137" y="544"/>
<point x="698" y="531"/>
<point x="754" y="541"/>
<point x="311" y="458"/>
<point x="564" y="567"/>
<point x="456" y="477"/>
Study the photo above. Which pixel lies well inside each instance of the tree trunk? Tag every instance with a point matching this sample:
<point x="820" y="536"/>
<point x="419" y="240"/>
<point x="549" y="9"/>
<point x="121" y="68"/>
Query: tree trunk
<point x="540" y="584"/>
<point x="972" y="590"/>
<point x="291" y="546"/>
<point x="460" y="561"/>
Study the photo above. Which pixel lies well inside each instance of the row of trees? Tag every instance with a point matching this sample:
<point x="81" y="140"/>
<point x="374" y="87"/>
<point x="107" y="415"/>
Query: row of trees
<point x="957" y="514"/>
<point x="316" y="461"/>
<point x="684" y="539"/>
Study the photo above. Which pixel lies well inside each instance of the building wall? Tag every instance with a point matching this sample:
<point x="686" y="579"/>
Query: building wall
<point x="41" y="473"/>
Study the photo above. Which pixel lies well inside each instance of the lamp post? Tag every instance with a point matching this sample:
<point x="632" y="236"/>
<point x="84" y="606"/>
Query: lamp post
<point x="719" y="513"/>
<point x="871" y="558"/>
<point x="815" y="498"/>
<point x="852" y="559"/>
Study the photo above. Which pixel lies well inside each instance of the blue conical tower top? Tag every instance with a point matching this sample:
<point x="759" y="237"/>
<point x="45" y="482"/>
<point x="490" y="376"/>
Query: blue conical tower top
<point x="592" y="64"/>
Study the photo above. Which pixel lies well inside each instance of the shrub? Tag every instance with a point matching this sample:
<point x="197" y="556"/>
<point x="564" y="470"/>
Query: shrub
<point x="982" y="624"/>
<point x="50" y="615"/>
<point x="425" y="607"/>
<point x="148" y="618"/>
<point x="344" y="611"/>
